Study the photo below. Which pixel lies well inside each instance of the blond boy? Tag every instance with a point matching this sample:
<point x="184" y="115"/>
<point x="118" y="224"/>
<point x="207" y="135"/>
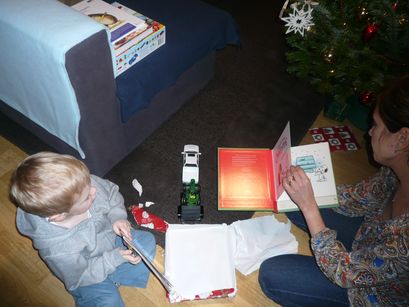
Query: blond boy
<point x="76" y="221"/>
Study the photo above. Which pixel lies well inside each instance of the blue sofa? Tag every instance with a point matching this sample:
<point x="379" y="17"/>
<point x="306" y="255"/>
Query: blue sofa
<point x="116" y="115"/>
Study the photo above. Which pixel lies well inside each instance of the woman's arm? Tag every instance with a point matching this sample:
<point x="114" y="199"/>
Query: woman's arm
<point x="370" y="266"/>
<point x="299" y="188"/>
<point x="374" y="265"/>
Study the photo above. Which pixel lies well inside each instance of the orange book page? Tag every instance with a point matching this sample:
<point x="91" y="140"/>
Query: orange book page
<point x="246" y="179"/>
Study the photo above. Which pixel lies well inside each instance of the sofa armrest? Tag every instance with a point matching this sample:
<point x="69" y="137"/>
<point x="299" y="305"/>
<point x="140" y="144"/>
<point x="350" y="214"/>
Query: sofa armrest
<point x="37" y="35"/>
<point x="89" y="66"/>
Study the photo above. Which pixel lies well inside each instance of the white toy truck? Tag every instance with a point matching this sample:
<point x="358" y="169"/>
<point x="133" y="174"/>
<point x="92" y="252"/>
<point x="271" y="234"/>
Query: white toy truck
<point x="190" y="208"/>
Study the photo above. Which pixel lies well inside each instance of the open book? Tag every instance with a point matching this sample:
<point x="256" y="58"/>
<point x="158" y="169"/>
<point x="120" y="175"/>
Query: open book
<point x="251" y="179"/>
<point x="164" y="281"/>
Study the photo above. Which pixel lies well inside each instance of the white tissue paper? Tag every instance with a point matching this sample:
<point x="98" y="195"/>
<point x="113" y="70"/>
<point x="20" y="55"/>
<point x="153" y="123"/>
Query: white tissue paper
<point x="260" y="238"/>
<point x="199" y="260"/>
<point x="137" y="186"/>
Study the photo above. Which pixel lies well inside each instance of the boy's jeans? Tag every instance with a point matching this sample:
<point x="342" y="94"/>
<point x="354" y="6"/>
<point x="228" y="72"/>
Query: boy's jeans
<point x="106" y="293"/>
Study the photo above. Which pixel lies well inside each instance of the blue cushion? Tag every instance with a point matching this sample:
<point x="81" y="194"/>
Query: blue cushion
<point x="193" y="30"/>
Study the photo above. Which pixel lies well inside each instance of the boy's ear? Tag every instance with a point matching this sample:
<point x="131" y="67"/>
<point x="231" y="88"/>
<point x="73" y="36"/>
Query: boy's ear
<point x="57" y="217"/>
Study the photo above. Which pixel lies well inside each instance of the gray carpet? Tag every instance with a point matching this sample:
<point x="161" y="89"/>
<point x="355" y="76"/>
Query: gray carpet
<point x="247" y="104"/>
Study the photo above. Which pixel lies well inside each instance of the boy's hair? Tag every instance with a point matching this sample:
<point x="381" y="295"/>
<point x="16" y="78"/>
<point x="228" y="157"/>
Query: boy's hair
<point x="47" y="183"/>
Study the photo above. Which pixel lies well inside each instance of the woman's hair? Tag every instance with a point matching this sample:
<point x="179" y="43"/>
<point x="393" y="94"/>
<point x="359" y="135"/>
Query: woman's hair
<point x="393" y="104"/>
<point x="47" y="183"/>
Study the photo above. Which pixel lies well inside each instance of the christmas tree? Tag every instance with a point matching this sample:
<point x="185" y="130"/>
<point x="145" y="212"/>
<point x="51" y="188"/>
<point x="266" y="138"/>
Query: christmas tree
<point x="349" y="48"/>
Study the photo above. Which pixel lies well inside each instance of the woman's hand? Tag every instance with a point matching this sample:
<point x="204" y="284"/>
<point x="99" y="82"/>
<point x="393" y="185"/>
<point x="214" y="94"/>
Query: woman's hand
<point x="299" y="188"/>
<point x="122" y="228"/>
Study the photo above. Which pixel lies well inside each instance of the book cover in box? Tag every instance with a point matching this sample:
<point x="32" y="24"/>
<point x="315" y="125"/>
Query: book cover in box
<point x="251" y="179"/>
<point x="142" y="45"/>
<point x="133" y="35"/>
<point x="122" y="26"/>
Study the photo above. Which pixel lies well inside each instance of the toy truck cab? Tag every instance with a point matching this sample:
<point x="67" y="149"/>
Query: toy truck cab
<point x="190" y="163"/>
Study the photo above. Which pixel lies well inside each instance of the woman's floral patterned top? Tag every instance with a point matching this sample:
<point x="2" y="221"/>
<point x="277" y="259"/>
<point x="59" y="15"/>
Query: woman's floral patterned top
<point x="376" y="270"/>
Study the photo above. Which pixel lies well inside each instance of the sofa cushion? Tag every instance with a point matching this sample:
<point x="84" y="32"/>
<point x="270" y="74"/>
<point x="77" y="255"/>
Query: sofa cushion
<point x="194" y="29"/>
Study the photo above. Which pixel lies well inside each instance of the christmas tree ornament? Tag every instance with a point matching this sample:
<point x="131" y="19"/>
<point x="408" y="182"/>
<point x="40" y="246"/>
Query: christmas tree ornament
<point x="395" y="6"/>
<point x="299" y="20"/>
<point x="370" y="31"/>
<point x="367" y="97"/>
<point x="329" y="56"/>
<point x="364" y="11"/>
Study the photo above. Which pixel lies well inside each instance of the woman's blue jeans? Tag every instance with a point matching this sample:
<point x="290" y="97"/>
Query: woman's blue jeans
<point x="106" y="293"/>
<point x="296" y="280"/>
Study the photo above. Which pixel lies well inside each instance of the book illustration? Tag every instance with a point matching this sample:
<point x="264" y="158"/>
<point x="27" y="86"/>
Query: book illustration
<point x="308" y="164"/>
<point x="314" y="163"/>
<point x="122" y="31"/>
<point x="105" y="19"/>
<point x="320" y="172"/>
<point x="110" y="16"/>
<point x="129" y="37"/>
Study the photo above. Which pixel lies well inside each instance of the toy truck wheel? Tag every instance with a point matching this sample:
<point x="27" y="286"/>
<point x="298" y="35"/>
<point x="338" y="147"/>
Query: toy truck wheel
<point x="182" y="199"/>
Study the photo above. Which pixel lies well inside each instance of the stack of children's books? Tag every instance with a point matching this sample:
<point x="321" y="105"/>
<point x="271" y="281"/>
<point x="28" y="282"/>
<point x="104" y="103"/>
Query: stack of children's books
<point x="133" y="35"/>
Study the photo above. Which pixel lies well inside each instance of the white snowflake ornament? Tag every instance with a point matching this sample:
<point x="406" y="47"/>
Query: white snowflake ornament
<point x="300" y="19"/>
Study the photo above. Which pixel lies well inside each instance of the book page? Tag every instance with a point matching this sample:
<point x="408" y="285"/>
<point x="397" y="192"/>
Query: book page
<point x="245" y="179"/>
<point x="281" y="159"/>
<point x="315" y="160"/>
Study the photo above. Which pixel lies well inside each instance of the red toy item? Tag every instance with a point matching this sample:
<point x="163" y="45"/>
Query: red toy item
<point x="145" y="219"/>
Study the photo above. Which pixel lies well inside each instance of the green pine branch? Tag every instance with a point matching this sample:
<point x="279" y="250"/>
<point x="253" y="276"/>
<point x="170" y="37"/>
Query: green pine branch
<point x="335" y="57"/>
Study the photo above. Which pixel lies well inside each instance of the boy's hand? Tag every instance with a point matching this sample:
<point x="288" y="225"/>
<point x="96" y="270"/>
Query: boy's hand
<point x="129" y="256"/>
<point x="122" y="228"/>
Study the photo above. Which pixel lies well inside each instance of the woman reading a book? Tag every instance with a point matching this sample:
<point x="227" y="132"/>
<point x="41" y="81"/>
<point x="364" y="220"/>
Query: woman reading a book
<point x="361" y="248"/>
